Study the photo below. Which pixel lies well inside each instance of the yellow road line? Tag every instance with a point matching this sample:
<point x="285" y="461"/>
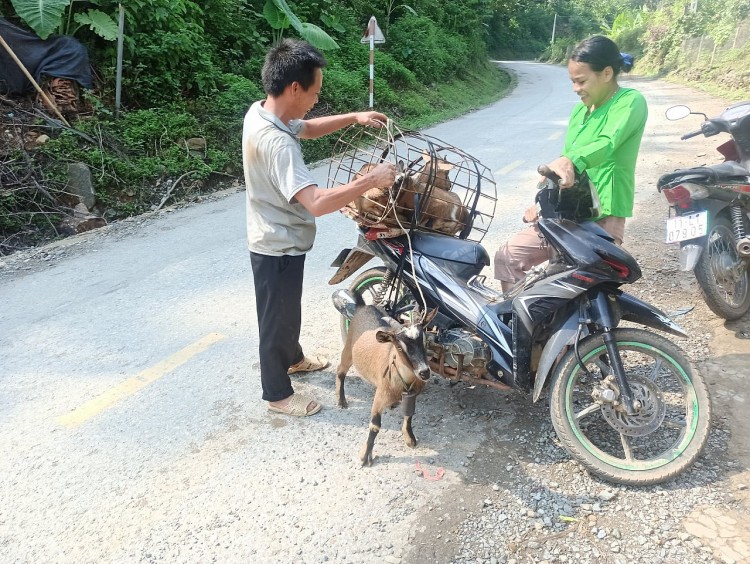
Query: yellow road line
<point x="507" y="168"/>
<point x="132" y="385"/>
<point x="555" y="136"/>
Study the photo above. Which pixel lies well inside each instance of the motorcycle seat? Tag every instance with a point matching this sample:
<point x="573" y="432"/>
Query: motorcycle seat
<point x="451" y="249"/>
<point x="711" y="173"/>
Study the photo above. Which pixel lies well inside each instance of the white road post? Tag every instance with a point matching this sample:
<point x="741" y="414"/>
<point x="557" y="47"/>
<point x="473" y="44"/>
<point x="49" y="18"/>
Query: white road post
<point x="372" y="36"/>
<point x="371" y="33"/>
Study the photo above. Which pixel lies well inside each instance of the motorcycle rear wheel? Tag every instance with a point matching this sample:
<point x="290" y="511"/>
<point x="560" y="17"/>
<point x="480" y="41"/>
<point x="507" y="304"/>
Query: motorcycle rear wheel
<point x="369" y="285"/>
<point x="656" y="444"/>
<point x="722" y="275"/>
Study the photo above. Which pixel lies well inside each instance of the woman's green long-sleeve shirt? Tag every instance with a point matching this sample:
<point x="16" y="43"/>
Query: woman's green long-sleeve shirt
<point x="605" y="144"/>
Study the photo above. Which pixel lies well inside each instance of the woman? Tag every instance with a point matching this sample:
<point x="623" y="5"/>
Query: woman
<point x="603" y="138"/>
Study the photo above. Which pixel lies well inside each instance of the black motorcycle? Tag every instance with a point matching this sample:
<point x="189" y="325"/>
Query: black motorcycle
<point x="709" y="207"/>
<point x="625" y="402"/>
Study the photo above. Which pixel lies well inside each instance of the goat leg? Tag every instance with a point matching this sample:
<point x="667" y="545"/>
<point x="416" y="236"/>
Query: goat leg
<point x="409" y="438"/>
<point x="344" y="365"/>
<point x="340" y="388"/>
<point x="365" y="454"/>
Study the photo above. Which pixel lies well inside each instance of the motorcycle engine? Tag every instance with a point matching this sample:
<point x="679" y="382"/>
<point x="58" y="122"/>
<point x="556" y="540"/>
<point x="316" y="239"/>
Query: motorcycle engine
<point x="455" y="342"/>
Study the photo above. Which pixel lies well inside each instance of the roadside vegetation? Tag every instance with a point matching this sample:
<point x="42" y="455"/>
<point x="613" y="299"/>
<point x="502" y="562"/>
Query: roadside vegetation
<point x="191" y="69"/>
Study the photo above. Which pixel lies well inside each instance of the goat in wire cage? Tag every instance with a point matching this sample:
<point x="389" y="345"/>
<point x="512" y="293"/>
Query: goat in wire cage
<point x="439" y="189"/>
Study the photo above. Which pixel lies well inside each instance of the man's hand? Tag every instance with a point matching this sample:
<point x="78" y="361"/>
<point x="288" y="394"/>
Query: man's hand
<point x="563" y="167"/>
<point x="382" y="176"/>
<point x="373" y="119"/>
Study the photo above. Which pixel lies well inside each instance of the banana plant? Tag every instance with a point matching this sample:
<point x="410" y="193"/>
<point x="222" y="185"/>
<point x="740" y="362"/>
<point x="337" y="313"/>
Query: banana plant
<point x="280" y="16"/>
<point x="46" y="17"/>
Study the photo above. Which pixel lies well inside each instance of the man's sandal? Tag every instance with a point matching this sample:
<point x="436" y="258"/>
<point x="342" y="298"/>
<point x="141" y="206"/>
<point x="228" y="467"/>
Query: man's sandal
<point x="297" y="406"/>
<point x="309" y="364"/>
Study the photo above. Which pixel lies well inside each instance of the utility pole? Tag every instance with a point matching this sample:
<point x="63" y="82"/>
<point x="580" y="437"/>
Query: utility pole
<point x="554" y="25"/>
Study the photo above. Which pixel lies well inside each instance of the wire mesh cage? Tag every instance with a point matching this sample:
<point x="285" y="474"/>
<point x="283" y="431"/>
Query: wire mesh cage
<point x="439" y="188"/>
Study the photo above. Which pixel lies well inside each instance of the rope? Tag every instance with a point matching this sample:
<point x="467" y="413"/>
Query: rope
<point x="392" y="200"/>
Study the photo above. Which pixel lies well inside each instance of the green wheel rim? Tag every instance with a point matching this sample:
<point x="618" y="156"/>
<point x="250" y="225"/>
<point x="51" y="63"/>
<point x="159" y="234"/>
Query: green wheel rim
<point x="692" y="413"/>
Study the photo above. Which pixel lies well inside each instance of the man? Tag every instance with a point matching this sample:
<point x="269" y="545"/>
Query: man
<point x="282" y="204"/>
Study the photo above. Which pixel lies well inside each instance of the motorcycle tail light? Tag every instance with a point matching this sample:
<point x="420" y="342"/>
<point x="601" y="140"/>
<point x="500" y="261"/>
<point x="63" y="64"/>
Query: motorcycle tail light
<point x="621" y="270"/>
<point x="682" y="195"/>
<point x="741" y="188"/>
<point x="697" y="192"/>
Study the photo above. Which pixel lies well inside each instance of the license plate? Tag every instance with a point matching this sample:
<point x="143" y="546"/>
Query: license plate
<point x="685" y="227"/>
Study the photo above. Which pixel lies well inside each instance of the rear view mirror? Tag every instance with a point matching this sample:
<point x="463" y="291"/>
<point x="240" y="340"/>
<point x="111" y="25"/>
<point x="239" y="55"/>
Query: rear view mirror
<point x="677" y="112"/>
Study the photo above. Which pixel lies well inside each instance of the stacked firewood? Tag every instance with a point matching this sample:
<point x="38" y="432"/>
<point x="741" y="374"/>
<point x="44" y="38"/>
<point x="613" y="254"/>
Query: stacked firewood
<point x="63" y="92"/>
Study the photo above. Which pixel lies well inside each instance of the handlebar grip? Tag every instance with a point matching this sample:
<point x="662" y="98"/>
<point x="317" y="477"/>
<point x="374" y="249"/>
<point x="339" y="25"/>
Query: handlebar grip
<point x="544" y="170"/>
<point x="692" y="134"/>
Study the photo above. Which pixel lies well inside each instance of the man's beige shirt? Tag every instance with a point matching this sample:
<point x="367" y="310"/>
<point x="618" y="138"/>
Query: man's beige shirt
<point x="275" y="171"/>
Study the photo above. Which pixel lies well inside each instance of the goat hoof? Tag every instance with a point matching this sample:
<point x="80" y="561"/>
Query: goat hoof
<point x="411" y="442"/>
<point x="365" y="457"/>
<point x="343" y="404"/>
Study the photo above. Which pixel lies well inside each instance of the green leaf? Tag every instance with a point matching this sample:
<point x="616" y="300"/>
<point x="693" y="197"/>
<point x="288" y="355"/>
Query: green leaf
<point x="43" y="16"/>
<point x="100" y="23"/>
<point x="274" y="16"/>
<point x="332" y="22"/>
<point x="409" y="9"/>
<point x="317" y="37"/>
<point x="293" y="19"/>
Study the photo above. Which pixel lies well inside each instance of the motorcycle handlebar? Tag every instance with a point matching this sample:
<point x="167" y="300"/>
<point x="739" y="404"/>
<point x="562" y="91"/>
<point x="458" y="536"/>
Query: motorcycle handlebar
<point x="544" y="170"/>
<point x="691" y="134"/>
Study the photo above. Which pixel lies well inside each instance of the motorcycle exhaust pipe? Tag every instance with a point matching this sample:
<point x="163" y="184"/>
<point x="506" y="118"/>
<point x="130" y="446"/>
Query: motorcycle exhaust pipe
<point x="743" y="247"/>
<point x="345" y="303"/>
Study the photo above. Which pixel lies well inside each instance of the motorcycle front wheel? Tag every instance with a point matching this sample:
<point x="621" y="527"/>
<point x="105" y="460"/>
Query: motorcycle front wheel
<point x="669" y="429"/>
<point x="722" y="274"/>
<point x="370" y="285"/>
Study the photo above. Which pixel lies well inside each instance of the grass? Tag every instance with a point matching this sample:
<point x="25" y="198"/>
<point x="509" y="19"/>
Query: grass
<point x="458" y="97"/>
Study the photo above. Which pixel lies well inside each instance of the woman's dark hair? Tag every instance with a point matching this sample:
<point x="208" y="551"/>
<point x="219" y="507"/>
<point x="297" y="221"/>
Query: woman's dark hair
<point x="291" y="60"/>
<point x="601" y="52"/>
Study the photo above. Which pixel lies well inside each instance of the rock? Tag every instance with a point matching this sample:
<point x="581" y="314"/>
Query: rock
<point x="80" y="221"/>
<point x="196" y="144"/>
<point x="80" y="184"/>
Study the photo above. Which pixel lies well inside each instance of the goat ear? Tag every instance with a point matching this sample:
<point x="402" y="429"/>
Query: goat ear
<point x="383" y="336"/>
<point x="426" y="157"/>
<point x="445" y="165"/>
<point x="430" y="316"/>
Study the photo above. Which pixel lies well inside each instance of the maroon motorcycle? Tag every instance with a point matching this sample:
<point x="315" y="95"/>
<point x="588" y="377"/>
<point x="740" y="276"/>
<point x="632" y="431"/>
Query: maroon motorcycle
<point x="709" y="212"/>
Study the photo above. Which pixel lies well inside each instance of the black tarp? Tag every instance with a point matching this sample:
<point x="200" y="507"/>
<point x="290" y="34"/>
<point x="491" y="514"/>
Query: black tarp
<point x="59" y="56"/>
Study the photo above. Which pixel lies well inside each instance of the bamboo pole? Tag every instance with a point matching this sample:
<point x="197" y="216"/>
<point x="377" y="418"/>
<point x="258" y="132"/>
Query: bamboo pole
<point x="44" y="96"/>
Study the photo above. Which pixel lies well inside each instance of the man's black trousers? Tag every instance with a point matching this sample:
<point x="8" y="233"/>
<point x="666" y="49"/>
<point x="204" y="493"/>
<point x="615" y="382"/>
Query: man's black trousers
<point x="278" y="300"/>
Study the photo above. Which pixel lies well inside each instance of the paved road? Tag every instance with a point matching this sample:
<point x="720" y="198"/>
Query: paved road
<point x="131" y="428"/>
<point x="179" y="290"/>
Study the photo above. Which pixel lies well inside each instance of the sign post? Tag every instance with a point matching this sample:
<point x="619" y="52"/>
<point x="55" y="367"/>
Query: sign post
<point x="372" y="36"/>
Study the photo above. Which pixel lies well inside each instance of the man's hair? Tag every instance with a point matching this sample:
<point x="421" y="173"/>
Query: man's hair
<point x="599" y="52"/>
<point x="290" y="61"/>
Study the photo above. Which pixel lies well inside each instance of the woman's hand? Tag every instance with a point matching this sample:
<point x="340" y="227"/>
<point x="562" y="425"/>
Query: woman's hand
<point x="530" y="215"/>
<point x="563" y="167"/>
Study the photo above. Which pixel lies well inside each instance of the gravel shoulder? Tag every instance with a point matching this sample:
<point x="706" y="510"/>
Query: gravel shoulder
<point x="525" y="501"/>
<point x="226" y="482"/>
